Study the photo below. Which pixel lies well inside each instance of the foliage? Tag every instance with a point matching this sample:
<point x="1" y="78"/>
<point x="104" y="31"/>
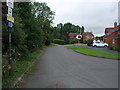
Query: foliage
<point x="68" y="27"/>
<point x="32" y="27"/>
<point x="32" y="30"/>
<point x="81" y="41"/>
<point x="116" y="48"/>
<point x="111" y="47"/>
<point x="82" y="29"/>
<point x="19" y="68"/>
<point x="100" y="38"/>
<point x="72" y="41"/>
<point x="59" y="41"/>
<point x="89" y="42"/>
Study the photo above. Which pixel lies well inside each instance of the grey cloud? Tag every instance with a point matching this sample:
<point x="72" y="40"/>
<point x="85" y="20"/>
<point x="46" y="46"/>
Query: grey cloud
<point x="95" y="16"/>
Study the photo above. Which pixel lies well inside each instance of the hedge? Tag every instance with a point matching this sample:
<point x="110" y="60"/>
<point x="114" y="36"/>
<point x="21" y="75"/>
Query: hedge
<point x="72" y="41"/>
<point x="59" y="41"/>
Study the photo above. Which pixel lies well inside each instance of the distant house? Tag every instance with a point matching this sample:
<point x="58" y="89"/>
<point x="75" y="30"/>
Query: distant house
<point x="72" y="36"/>
<point x="112" y="35"/>
<point x="87" y="36"/>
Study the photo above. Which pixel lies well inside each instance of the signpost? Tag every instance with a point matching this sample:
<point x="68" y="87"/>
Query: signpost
<point x="10" y="11"/>
<point x="10" y="24"/>
<point x="10" y="28"/>
<point x="10" y="3"/>
<point x="10" y="18"/>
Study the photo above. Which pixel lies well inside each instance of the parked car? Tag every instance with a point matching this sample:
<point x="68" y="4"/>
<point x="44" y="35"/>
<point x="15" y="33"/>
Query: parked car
<point x="99" y="44"/>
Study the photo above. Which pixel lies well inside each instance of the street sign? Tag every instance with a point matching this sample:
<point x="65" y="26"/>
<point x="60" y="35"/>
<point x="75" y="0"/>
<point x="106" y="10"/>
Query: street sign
<point x="10" y="18"/>
<point x="10" y="3"/>
<point x="10" y="24"/>
<point x="10" y="11"/>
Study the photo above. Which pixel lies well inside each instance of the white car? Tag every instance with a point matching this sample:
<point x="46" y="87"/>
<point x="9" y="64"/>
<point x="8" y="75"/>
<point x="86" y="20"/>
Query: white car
<point x="99" y="44"/>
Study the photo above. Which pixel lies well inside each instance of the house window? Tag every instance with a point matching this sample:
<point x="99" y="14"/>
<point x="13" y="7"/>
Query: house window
<point x="107" y="34"/>
<point x="113" y="41"/>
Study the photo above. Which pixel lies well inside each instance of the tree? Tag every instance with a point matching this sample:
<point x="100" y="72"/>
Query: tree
<point x="82" y="29"/>
<point x="44" y="16"/>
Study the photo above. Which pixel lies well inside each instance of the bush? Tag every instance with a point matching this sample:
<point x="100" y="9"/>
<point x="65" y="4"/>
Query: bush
<point x="111" y="47"/>
<point x="116" y="48"/>
<point x="67" y="41"/>
<point x="59" y="41"/>
<point x="89" y="42"/>
<point x="81" y="41"/>
<point x="72" y="41"/>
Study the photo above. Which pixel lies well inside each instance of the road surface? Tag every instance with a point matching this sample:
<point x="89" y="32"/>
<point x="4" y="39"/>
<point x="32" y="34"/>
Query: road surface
<point x="59" y="67"/>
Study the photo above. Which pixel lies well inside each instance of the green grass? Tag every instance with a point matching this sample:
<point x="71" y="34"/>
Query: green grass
<point x="52" y="44"/>
<point x="20" y="67"/>
<point x="100" y="53"/>
<point x="78" y="47"/>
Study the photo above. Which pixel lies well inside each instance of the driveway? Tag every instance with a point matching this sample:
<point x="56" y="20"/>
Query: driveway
<point x="63" y="68"/>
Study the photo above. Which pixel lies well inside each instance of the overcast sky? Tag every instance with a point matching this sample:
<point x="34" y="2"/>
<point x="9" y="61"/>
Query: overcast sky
<point x="94" y="15"/>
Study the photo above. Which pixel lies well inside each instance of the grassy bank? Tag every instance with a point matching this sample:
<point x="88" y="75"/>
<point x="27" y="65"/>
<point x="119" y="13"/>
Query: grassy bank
<point x="19" y="68"/>
<point x="100" y="53"/>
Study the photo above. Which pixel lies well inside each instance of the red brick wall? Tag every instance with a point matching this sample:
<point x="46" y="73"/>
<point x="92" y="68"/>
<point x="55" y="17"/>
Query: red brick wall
<point x="114" y="36"/>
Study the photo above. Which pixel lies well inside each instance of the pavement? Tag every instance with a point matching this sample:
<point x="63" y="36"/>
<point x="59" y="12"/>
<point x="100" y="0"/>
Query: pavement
<point x="59" y="67"/>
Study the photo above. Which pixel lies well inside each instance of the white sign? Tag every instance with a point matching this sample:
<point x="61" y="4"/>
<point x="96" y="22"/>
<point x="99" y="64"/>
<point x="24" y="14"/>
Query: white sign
<point x="10" y="3"/>
<point x="10" y="11"/>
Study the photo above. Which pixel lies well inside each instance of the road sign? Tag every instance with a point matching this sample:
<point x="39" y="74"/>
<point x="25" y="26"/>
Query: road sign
<point x="10" y="3"/>
<point x="10" y="24"/>
<point x="10" y="18"/>
<point x="10" y="11"/>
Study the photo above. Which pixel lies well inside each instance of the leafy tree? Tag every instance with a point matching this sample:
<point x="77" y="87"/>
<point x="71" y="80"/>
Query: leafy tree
<point x="4" y="29"/>
<point x="32" y="27"/>
<point x="82" y="29"/>
<point x="44" y="16"/>
<point x="68" y="28"/>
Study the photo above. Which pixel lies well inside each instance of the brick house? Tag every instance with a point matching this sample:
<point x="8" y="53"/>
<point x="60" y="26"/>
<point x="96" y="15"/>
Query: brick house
<point x="87" y="36"/>
<point x="72" y="36"/>
<point x="112" y="35"/>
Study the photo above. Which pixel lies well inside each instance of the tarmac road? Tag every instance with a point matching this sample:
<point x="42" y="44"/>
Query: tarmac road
<point x="62" y="68"/>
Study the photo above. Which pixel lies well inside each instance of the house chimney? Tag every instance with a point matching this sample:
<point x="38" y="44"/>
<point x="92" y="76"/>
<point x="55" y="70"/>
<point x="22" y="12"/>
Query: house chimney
<point x="115" y="25"/>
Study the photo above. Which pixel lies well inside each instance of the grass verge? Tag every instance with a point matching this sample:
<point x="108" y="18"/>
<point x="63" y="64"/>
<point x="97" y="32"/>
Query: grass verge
<point x="19" y="68"/>
<point x="99" y="53"/>
<point x="78" y="47"/>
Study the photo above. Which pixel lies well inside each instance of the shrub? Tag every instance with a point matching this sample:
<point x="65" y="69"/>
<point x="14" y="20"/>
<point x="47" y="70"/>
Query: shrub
<point x="117" y="48"/>
<point x="111" y="47"/>
<point x="67" y="41"/>
<point x="89" y="42"/>
<point x="59" y="41"/>
<point x="72" y="41"/>
<point x="81" y="41"/>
